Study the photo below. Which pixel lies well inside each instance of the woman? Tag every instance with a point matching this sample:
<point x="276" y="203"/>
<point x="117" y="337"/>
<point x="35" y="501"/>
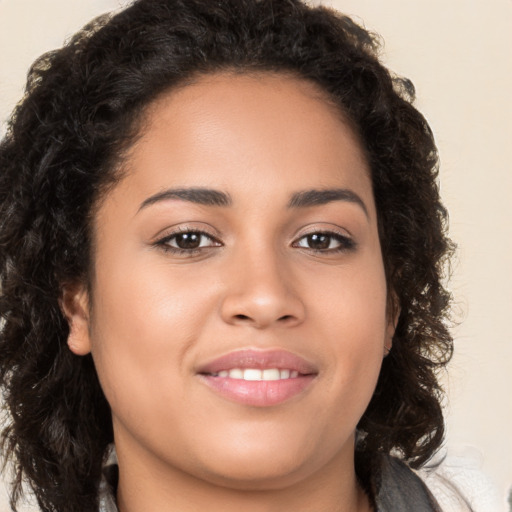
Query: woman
<point x="222" y="251"/>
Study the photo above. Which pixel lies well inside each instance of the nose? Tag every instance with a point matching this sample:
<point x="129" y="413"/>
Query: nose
<point x="261" y="292"/>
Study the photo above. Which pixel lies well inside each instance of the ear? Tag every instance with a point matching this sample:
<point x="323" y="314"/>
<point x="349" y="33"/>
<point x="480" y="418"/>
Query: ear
<point x="393" y="313"/>
<point x="74" y="303"/>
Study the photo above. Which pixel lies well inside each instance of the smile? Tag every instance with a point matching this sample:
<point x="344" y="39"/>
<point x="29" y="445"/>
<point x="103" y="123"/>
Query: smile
<point x="259" y="378"/>
<point x="254" y="374"/>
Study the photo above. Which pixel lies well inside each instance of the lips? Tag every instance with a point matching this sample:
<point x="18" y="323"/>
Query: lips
<point x="258" y="378"/>
<point x="259" y="359"/>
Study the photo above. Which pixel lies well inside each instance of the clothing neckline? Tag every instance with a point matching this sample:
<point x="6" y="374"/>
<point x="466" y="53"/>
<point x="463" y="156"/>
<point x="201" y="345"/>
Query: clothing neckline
<point x="392" y="486"/>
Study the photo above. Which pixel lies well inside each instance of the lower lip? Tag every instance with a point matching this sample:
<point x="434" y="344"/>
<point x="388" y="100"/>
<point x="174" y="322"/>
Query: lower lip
<point x="259" y="393"/>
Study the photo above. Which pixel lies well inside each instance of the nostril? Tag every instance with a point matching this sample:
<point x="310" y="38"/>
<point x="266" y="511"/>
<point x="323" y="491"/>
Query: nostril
<point x="285" y="318"/>
<point x="241" y="317"/>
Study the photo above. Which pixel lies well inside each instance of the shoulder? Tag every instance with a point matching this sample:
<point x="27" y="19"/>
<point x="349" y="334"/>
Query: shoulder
<point x="397" y="488"/>
<point x="456" y="479"/>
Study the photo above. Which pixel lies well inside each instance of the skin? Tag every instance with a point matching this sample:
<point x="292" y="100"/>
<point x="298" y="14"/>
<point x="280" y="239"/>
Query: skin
<point x="155" y="316"/>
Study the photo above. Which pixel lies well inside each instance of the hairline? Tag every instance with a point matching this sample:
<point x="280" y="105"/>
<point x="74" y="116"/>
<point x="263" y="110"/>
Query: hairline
<point x="139" y="123"/>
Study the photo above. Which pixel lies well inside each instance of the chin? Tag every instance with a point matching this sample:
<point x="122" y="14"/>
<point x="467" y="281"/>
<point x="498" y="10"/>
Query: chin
<point x="255" y="475"/>
<point x="263" y="463"/>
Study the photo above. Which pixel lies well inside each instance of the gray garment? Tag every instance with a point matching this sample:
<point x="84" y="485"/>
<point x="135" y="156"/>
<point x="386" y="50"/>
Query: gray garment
<point x="108" y="486"/>
<point x="399" y="489"/>
<point x="395" y="488"/>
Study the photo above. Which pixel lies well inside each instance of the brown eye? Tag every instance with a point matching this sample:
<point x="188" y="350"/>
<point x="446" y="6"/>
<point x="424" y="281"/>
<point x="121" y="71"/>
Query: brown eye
<point x="318" y="241"/>
<point x="325" y="242"/>
<point x="188" y="241"/>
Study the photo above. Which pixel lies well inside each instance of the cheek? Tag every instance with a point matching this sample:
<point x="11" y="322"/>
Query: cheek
<point x="352" y="316"/>
<point x="352" y="299"/>
<point x="145" y="320"/>
<point x="140" y="298"/>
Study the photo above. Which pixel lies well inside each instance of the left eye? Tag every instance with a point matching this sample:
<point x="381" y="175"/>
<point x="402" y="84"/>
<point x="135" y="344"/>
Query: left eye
<point x="189" y="240"/>
<point x="325" y="242"/>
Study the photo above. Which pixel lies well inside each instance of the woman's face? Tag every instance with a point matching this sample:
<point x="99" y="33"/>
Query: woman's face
<point x="238" y="318"/>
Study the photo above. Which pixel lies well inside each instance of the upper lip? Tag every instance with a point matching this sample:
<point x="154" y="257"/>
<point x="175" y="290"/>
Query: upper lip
<point x="260" y="359"/>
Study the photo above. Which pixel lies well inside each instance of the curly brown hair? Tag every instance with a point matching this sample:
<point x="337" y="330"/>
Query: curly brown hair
<point x="82" y="109"/>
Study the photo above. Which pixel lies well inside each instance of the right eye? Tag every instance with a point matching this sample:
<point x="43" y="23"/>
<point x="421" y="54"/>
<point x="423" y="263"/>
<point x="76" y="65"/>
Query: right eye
<point x="188" y="242"/>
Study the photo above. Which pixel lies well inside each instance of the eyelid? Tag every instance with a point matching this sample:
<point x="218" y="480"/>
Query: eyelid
<point x="192" y="227"/>
<point x="332" y="234"/>
<point x="323" y="227"/>
<point x="171" y="236"/>
<point x="162" y="239"/>
<point x="347" y="241"/>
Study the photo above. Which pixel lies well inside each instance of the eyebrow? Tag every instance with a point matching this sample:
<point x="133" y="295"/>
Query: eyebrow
<point x="308" y="198"/>
<point x="203" y="196"/>
<point x="212" y="197"/>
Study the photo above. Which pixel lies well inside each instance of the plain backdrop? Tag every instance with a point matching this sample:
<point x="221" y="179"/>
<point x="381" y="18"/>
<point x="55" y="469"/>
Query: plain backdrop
<point x="458" y="55"/>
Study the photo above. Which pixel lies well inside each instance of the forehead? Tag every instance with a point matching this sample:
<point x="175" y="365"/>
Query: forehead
<point x="232" y="131"/>
<point x="231" y="86"/>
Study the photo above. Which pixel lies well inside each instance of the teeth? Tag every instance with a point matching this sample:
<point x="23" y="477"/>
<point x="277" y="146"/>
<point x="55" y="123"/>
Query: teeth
<point x="235" y="373"/>
<point x="252" y="374"/>
<point x="271" y="374"/>
<point x="257" y="374"/>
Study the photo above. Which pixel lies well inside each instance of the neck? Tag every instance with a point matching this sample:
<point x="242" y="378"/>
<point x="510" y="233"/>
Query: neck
<point x="149" y="484"/>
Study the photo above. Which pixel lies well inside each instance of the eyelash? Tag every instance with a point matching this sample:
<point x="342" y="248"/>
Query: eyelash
<point x="164" y="242"/>
<point x="346" y="243"/>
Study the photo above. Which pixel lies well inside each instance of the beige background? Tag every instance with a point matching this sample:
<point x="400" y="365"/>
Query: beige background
<point x="457" y="52"/>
